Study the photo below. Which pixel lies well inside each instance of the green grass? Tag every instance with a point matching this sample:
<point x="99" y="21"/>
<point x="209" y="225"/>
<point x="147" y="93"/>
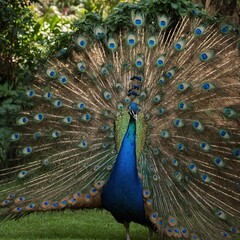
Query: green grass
<point x="79" y="225"/>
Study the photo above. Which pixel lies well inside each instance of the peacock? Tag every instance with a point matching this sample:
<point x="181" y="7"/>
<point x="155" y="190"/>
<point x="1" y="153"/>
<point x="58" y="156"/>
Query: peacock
<point x="142" y="120"/>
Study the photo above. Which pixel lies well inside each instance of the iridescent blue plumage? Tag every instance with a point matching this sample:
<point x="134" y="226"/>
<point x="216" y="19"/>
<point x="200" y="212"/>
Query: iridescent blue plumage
<point x="122" y="194"/>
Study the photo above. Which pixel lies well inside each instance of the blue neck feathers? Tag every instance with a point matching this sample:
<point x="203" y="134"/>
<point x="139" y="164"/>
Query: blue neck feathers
<point x="122" y="195"/>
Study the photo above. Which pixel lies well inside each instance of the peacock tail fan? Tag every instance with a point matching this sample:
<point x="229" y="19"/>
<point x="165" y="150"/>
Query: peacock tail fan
<point x="184" y="77"/>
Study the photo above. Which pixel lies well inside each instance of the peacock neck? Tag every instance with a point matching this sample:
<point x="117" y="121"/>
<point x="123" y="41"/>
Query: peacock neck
<point x="126" y="160"/>
<point x="122" y="194"/>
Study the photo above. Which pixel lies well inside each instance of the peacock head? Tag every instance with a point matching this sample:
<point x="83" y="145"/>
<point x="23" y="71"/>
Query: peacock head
<point x="133" y="110"/>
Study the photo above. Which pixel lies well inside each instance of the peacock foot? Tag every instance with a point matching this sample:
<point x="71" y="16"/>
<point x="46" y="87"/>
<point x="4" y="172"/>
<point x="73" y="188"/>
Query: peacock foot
<point x="150" y="233"/>
<point x="126" y="225"/>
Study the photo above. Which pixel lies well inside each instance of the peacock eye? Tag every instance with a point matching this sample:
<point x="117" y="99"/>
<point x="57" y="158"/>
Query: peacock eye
<point x="207" y="86"/>
<point x="172" y="221"/>
<point x="63" y="79"/>
<point x="99" y="32"/>
<point x="183" y="106"/>
<point x="127" y="99"/>
<point x="155" y="177"/>
<point x="184" y="231"/>
<point x="220" y="214"/>
<point x="181" y="147"/>
<point x="81" y="106"/>
<point x="119" y="87"/>
<point x="155" y="151"/>
<point x="51" y="73"/>
<point x="37" y="135"/>
<point x="229" y="113"/>
<point x="81" y="67"/>
<point x="157" y="98"/>
<point x="178" y="122"/>
<point x="165" y="134"/>
<point x="143" y="95"/>
<point x="26" y="151"/>
<point x="86" y="117"/>
<point x="147" y="117"/>
<point x="192" y="167"/>
<point x="139" y="62"/>
<point x="47" y="95"/>
<point x="219" y="162"/>
<point x="45" y="162"/>
<point x="105" y="127"/>
<point x="120" y="106"/>
<point x="105" y="145"/>
<point x="178" y="176"/>
<point x="31" y="206"/>
<point x="82" y="42"/>
<point x="224" y="134"/>
<point x="6" y="202"/>
<point x="131" y="39"/>
<point x="225" y="28"/>
<point x="236" y="153"/>
<point x="199" y="31"/>
<point x="152" y="41"/>
<point x="57" y="103"/>
<point x="161" y="61"/>
<point x="176" y="230"/>
<point x="205" y="146"/>
<point x="22" y="121"/>
<point x="107" y="95"/>
<point x="207" y="55"/>
<point x="104" y="71"/>
<point x="170" y="73"/>
<point x="162" y="81"/>
<point x="163" y="21"/>
<point x="183" y="86"/>
<point x="175" y="162"/>
<point x="138" y="19"/>
<point x="225" y="235"/>
<point x="152" y="167"/>
<point x="15" y="136"/>
<point x="198" y="126"/>
<point x="30" y="93"/>
<point x="112" y="44"/>
<point x="18" y="209"/>
<point x="55" y="134"/>
<point x="205" y="178"/>
<point x="83" y="144"/>
<point x="38" y="117"/>
<point x="22" y="174"/>
<point x="164" y="161"/>
<point x="179" y="45"/>
<point x="160" y="222"/>
<point x="109" y="167"/>
<point x="68" y="119"/>
<point x="96" y="168"/>
<point x="146" y="193"/>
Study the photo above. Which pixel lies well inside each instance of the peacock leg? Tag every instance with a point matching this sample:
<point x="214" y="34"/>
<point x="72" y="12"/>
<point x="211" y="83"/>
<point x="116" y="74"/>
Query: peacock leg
<point x="126" y="224"/>
<point x="150" y="233"/>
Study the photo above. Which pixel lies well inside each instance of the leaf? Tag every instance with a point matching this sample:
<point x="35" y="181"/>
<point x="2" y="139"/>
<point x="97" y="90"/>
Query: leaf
<point x="54" y="21"/>
<point x="174" y="5"/>
<point x="8" y="101"/>
<point x="2" y="111"/>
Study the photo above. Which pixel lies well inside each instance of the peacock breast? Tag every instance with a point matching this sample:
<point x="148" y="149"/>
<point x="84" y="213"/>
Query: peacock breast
<point x="122" y="194"/>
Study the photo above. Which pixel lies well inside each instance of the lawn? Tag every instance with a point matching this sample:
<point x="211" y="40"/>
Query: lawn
<point x="87" y="225"/>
